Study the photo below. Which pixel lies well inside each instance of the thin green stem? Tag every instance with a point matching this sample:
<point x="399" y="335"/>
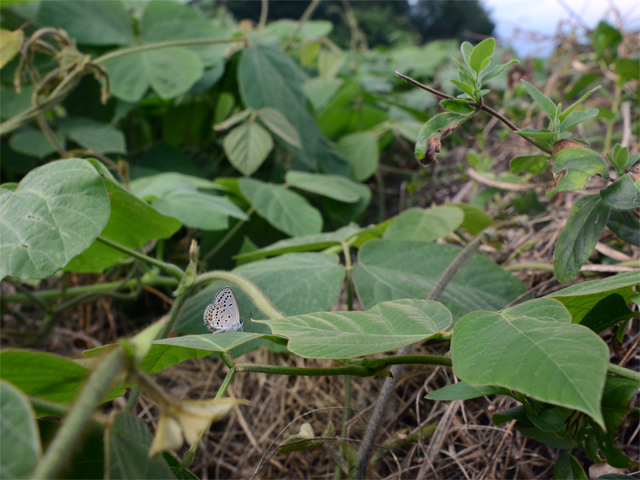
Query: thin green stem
<point x="305" y="16"/>
<point x="624" y="372"/>
<point x="253" y="292"/>
<point x="416" y="360"/>
<point x="49" y="407"/>
<point x="349" y="271"/>
<point x="353" y="370"/>
<point x="173" y="315"/>
<point x="168" y="268"/>
<point x="615" y="106"/>
<point x="151" y="280"/>
<point x="168" y="44"/>
<point x="264" y="13"/>
<point x="223" y="241"/>
<point x="66" y="440"/>
<point x="133" y="399"/>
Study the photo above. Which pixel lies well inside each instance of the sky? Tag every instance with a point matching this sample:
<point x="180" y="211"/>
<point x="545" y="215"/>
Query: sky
<point x="543" y="16"/>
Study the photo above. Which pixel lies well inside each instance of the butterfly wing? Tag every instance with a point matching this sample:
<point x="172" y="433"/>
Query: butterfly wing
<point x="218" y="319"/>
<point x="227" y="300"/>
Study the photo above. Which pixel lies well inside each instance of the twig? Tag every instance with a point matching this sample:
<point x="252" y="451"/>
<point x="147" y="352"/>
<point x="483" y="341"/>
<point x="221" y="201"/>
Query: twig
<point x="305" y="16"/>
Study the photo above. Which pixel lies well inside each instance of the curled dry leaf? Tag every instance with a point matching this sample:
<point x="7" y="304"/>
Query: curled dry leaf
<point x="188" y="419"/>
<point x="434" y="145"/>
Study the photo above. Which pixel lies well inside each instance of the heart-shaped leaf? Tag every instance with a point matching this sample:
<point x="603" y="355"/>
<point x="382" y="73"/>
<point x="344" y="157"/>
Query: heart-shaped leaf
<point x="387" y="326"/>
<point x="55" y="213"/>
<point x="247" y="146"/>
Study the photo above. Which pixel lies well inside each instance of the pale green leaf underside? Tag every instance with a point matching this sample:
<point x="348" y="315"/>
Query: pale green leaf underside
<point x="387" y="326"/>
<point x="553" y="361"/>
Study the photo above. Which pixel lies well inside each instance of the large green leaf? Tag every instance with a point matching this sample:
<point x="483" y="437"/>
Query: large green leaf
<point x="247" y="146"/>
<point x="578" y="238"/>
<point x="308" y="243"/>
<point x="169" y="72"/>
<point x="54" y="214"/>
<point x="128" y="442"/>
<point x="580" y="299"/>
<point x="425" y="225"/>
<point x="34" y="143"/>
<point x="89" y="22"/>
<point x="331" y="186"/>
<point x="45" y="375"/>
<point x="20" y="447"/>
<point x="95" y="136"/>
<point x="361" y="151"/>
<point x="164" y="21"/>
<point x="295" y="283"/>
<point x="132" y="223"/>
<point x="389" y="270"/>
<point x="568" y="468"/>
<point x="625" y="225"/>
<point x="623" y="194"/>
<point x="267" y="77"/>
<point x="285" y="210"/>
<point x="535" y="349"/>
<point x="581" y="164"/>
<point x="387" y="326"/>
<point x="170" y="351"/>
<point x="608" y="312"/>
<point x="275" y="121"/>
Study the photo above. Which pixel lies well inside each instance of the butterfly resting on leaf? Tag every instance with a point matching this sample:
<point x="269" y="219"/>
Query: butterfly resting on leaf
<point x="223" y="315"/>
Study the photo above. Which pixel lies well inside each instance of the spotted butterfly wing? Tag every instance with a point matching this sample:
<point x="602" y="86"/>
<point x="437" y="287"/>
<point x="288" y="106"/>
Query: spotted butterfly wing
<point x="223" y="315"/>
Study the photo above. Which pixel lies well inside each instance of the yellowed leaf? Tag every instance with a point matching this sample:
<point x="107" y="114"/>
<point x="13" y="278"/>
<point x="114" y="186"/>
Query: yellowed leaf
<point x="10" y="43"/>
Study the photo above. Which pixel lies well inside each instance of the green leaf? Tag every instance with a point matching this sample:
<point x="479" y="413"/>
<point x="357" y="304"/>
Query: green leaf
<point x="164" y="21"/>
<point x="337" y="187"/>
<point x="390" y="270"/>
<point x="34" y="143"/>
<point x="247" y="147"/>
<point x="469" y="90"/>
<point x="580" y="299"/>
<point x="170" y="72"/>
<point x="543" y="101"/>
<point x="12" y="103"/>
<point x="267" y="77"/>
<point x="575" y="118"/>
<point x="329" y="62"/>
<point x="132" y="223"/>
<point x="346" y="213"/>
<point x="625" y="225"/>
<point x="89" y="22"/>
<point x="285" y="210"/>
<point x="361" y="151"/>
<point x="195" y="209"/>
<point x="623" y="194"/>
<point x="617" y="395"/>
<point x="578" y="238"/>
<point x="550" y="421"/>
<point x="608" y="312"/>
<point x="295" y="283"/>
<point x="171" y="351"/>
<point x="434" y="128"/>
<point x="319" y="92"/>
<point x="56" y="212"/>
<point x="605" y="40"/>
<point x="581" y="164"/>
<point x="568" y="468"/>
<point x="495" y="71"/>
<point x="539" y="135"/>
<point x="466" y="48"/>
<point x="531" y="349"/>
<point x="475" y="219"/>
<point x="307" y="243"/>
<point x="425" y="225"/>
<point x="45" y="375"/>
<point x="95" y="136"/>
<point x="534" y="164"/>
<point x="463" y="391"/>
<point x="20" y="447"/>
<point x="627" y="69"/>
<point x="558" y="440"/>
<point x="128" y="443"/>
<point x="566" y="113"/>
<point x="479" y="58"/>
<point x="176" y="467"/>
<point x="387" y="326"/>
<point x="278" y="124"/>
<point x="458" y="106"/>
<point x="619" y="159"/>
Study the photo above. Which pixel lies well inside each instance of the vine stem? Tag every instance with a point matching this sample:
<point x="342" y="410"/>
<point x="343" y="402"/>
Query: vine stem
<point x="305" y="16"/>
<point x="199" y="42"/>
<point x="481" y="106"/>
<point x="66" y="440"/>
<point x="168" y="268"/>
<point x="368" y="442"/>
<point x="624" y="372"/>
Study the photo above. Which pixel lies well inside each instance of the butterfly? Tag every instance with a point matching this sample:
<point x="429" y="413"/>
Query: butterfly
<point x="223" y="315"/>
